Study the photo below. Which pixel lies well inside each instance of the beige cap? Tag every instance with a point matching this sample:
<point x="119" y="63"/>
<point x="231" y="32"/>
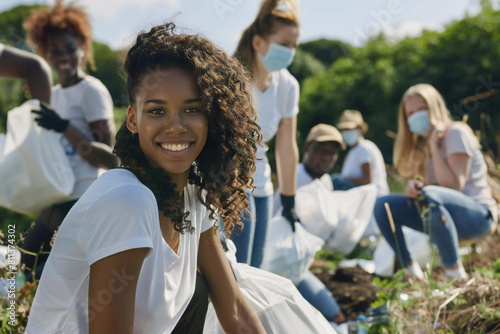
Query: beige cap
<point x="323" y="133"/>
<point x="351" y="119"/>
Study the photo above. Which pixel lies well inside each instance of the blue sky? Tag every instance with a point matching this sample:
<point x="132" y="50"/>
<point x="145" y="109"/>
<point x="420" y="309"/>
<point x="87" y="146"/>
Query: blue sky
<point x="115" y="22"/>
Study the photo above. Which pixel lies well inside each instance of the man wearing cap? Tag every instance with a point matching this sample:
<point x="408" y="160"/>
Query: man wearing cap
<point x="321" y="151"/>
<point x="364" y="163"/>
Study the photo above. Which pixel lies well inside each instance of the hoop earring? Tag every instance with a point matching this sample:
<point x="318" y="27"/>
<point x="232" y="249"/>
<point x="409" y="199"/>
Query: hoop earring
<point x="194" y="166"/>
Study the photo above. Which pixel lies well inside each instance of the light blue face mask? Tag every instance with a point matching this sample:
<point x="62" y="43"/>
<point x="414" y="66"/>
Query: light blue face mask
<point x="419" y="122"/>
<point x="278" y="57"/>
<point x="350" y="136"/>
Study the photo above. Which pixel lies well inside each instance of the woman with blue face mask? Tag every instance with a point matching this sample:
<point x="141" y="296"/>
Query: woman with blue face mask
<point x="446" y="172"/>
<point x="364" y="163"/>
<point x="266" y="48"/>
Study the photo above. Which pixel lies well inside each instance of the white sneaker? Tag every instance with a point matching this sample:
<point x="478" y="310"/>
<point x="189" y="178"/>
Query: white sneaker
<point x="459" y="272"/>
<point x="414" y="270"/>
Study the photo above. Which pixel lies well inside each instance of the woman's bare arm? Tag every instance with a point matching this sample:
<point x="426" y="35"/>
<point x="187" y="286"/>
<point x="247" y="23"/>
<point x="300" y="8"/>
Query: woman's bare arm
<point x="112" y="287"/>
<point x="233" y="311"/>
<point x="16" y="63"/>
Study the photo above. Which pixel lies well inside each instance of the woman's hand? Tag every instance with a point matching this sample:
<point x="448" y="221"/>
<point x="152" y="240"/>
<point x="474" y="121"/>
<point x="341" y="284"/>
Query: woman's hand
<point x="437" y="136"/>
<point x="49" y="119"/>
<point x="413" y="187"/>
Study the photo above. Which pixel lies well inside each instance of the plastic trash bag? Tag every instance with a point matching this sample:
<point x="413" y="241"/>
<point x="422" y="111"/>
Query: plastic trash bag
<point x="279" y="305"/>
<point x="418" y="245"/>
<point x="287" y="253"/>
<point x="2" y="143"/>
<point x="34" y="169"/>
<point x="338" y="217"/>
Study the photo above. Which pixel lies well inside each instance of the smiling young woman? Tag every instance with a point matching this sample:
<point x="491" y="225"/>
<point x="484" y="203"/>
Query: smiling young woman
<point x="176" y="121"/>
<point x="129" y="252"/>
<point x="266" y="49"/>
<point x="81" y="110"/>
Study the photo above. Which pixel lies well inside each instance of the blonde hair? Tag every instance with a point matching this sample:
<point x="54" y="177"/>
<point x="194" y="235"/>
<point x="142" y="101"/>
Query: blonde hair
<point x="272" y="15"/>
<point x="410" y="150"/>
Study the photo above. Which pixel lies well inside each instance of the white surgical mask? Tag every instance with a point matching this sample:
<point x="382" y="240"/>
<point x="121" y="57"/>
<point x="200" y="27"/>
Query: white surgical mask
<point x="278" y="57"/>
<point x="419" y="122"/>
<point x="350" y="136"/>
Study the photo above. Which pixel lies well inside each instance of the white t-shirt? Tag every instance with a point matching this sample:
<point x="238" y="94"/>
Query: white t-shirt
<point x="118" y="213"/>
<point x="366" y="152"/>
<point x="279" y="100"/>
<point x="303" y="178"/>
<point x="459" y="139"/>
<point x="83" y="103"/>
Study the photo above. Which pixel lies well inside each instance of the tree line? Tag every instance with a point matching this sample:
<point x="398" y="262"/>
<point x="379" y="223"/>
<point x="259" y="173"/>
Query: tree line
<point x="461" y="62"/>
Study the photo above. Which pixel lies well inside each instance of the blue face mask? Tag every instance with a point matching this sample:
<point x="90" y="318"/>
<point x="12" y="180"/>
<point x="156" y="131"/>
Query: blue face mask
<point x="350" y="136"/>
<point x="278" y="57"/>
<point x="419" y="123"/>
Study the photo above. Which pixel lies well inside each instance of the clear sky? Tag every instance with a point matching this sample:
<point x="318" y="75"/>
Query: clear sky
<point x="115" y="22"/>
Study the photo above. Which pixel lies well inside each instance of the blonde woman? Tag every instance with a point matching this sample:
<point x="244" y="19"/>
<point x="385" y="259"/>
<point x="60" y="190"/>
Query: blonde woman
<point x="453" y="173"/>
<point x="266" y="48"/>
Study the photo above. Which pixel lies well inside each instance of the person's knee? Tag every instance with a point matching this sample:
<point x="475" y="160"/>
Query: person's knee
<point x="432" y="194"/>
<point x="380" y="212"/>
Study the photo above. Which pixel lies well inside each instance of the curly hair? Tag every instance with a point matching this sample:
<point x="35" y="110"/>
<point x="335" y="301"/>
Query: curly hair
<point x="72" y="20"/>
<point x="225" y="166"/>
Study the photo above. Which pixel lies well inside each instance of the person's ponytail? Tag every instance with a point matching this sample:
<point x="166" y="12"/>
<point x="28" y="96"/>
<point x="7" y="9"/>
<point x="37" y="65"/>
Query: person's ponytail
<point x="272" y="13"/>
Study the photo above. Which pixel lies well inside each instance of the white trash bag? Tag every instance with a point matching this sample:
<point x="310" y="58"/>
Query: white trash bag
<point x="287" y="253"/>
<point x="338" y="217"/>
<point x="34" y="169"/>
<point x="418" y="245"/>
<point x="277" y="302"/>
<point x="2" y="143"/>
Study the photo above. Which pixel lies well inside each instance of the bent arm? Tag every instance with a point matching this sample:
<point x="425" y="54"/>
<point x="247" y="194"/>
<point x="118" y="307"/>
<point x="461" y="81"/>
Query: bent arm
<point x="97" y="152"/>
<point x="366" y="177"/>
<point x="116" y="278"/>
<point x="233" y="311"/>
<point x="451" y="172"/>
<point x="287" y="155"/>
<point x="16" y="63"/>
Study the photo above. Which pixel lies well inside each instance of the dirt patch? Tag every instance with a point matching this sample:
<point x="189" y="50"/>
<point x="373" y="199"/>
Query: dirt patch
<point x="353" y="289"/>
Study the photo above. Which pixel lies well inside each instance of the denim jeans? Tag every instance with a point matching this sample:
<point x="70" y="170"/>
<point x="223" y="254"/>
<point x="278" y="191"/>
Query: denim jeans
<point x="251" y="240"/>
<point x="318" y="295"/>
<point x="453" y="216"/>
<point x="341" y="183"/>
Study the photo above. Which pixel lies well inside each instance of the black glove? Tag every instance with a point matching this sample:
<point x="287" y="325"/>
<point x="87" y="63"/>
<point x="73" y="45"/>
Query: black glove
<point x="288" y="212"/>
<point x="49" y="119"/>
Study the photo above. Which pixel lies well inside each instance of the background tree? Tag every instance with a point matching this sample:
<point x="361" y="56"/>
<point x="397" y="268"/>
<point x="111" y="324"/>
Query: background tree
<point x="460" y="61"/>
<point x="305" y="65"/>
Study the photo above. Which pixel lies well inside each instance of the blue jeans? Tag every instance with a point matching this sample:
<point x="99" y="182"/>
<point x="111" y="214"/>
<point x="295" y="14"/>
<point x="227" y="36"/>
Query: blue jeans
<point x="454" y="216"/>
<point x="251" y="240"/>
<point x="341" y="183"/>
<point x="317" y="294"/>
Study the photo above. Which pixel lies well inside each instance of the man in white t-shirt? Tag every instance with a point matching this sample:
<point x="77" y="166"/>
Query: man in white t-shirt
<point x="364" y="163"/>
<point x="321" y="150"/>
<point x="323" y="144"/>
